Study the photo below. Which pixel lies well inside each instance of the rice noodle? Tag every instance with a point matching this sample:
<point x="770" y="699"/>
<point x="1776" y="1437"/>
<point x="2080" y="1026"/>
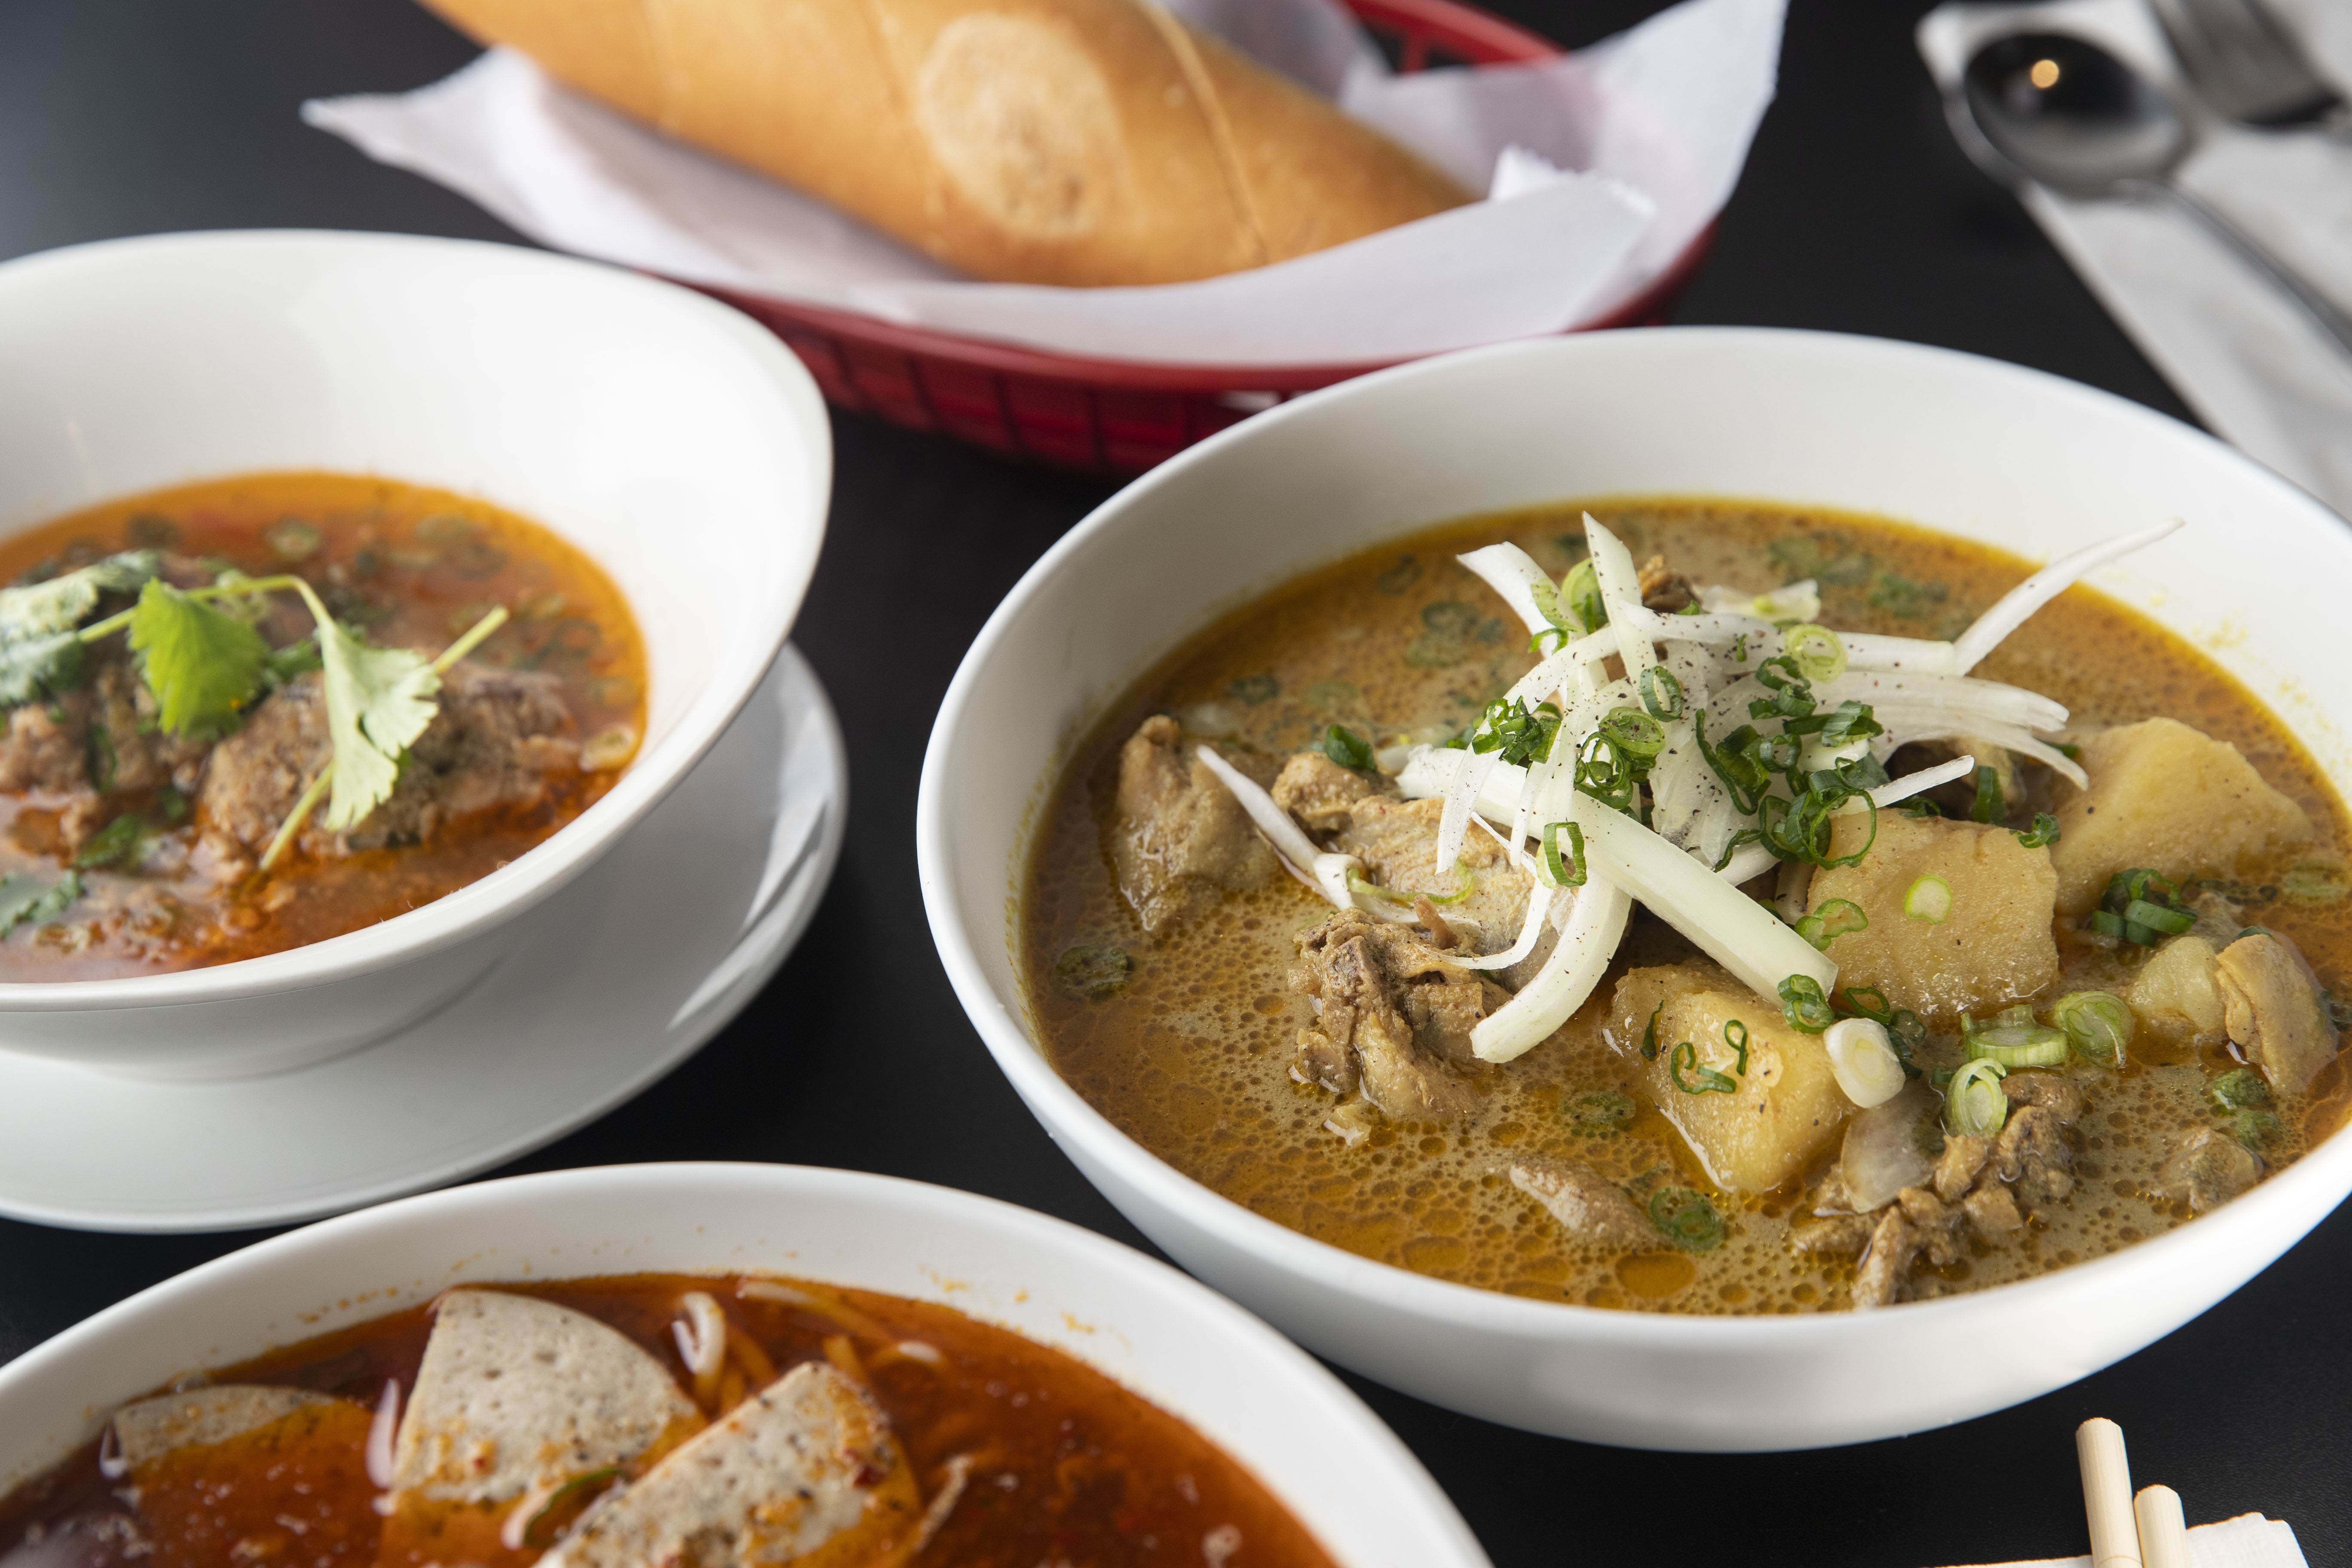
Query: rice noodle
<point x="701" y="1335"/>
<point x="2018" y="605"/>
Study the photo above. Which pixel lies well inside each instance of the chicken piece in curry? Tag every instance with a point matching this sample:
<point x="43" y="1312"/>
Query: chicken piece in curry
<point x="255" y="713"/>
<point x="617" y="1422"/>
<point x="1699" y="906"/>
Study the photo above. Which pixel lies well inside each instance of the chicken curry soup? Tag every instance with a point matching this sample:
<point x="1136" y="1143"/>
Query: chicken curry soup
<point x="616" y="1422"/>
<point x="254" y="713"/>
<point x="1699" y="908"/>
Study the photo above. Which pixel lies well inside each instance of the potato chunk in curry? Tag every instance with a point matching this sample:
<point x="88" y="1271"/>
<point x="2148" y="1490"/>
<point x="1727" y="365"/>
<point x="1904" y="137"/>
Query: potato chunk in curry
<point x="1750" y="1130"/>
<point x="1992" y="946"/>
<point x="2167" y="798"/>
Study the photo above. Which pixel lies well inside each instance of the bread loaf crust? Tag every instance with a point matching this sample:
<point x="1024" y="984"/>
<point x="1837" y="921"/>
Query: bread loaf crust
<point x="1067" y="141"/>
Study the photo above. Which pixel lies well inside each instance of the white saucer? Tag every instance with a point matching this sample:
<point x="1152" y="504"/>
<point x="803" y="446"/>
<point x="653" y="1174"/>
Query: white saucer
<point x="656" y="946"/>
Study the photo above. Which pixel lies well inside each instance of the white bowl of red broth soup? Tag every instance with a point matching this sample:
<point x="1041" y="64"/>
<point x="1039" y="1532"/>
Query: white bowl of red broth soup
<point x="1413" y="972"/>
<point x="939" y="1376"/>
<point x="356" y="592"/>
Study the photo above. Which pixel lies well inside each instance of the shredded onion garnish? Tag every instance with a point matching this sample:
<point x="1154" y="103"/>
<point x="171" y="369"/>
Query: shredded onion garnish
<point x="111" y="1462"/>
<point x="1928" y="899"/>
<point x="381" y="1427"/>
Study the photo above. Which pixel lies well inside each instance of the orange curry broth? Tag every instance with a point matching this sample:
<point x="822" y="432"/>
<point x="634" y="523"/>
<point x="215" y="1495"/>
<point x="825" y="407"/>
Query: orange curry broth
<point x="413" y="567"/>
<point x="1067" y="1466"/>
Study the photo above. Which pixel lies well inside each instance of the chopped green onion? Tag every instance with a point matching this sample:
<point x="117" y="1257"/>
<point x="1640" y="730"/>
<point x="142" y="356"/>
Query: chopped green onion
<point x="1738" y="1044"/>
<point x="1929" y="899"/>
<point x="1635" y="732"/>
<point x="1581" y="595"/>
<point x="2016" y="1046"/>
<point x="2241" y="1088"/>
<point x="1091" y="971"/>
<point x="2256" y="1129"/>
<point x="1346" y="748"/>
<point x="2042" y="833"/>
<point x="1686" y="1219"/>
<point x="1709" y="1080"/>
<point x="1974" y="1105"/>
<point x="1819" y="652"/>
<point x="1604" y="1114"/>
<point x="1831" y="921"/>
<point x="2155" y="917"/>
<point x="1650" y="1035"/>
<point x="1805" y="1005"/>
<point x="1988" y="805"/>
<point x="1662" y="693"/>
<point x="1569" y="873"/>
<point x="2097" y="1023"/>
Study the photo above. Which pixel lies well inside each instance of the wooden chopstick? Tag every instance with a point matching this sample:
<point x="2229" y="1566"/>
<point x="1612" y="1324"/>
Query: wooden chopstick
<point x="2107" y="1495"/>
<point x="2163" y="1535"/>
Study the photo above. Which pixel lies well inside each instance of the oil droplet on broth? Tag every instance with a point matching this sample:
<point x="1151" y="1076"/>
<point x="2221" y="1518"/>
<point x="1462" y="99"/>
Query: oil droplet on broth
<point x="1655" y="1275"/>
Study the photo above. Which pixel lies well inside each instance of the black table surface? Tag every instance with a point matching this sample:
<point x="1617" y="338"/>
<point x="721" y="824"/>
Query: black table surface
<point x="1856" y="214"/>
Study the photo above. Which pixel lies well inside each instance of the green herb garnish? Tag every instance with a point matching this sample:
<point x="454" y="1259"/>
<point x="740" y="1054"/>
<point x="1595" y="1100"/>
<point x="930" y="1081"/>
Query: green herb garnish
<point x="1686" y="1219"/>
<point x="1708" y="1080"/>
<point x="2043" y="833"/>
<point x="1805" y="1005"/>
<point x="1603" y="1114"/>
<point x="1090" y="971"/>
<point x="1831" y="921"/>
<point x="1346" y="748"/>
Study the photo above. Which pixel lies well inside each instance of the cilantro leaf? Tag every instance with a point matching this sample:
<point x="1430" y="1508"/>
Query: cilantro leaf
<point x="39" y="653"/>
<point x="32" y="667"/>
<point x="378" y="700"/>
<point x="201" y="666"/>
<point x="42" y="609"/>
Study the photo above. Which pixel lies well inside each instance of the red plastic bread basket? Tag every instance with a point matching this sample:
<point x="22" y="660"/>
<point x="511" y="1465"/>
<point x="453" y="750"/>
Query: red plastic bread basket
<point x="1121" y="416"/>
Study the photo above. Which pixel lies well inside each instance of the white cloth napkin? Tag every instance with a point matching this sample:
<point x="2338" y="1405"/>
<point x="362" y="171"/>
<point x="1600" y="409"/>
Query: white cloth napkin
<point x="2249" y="1541"/>
<point x="2243" y="355"/>
<point x="1601" y="166"/>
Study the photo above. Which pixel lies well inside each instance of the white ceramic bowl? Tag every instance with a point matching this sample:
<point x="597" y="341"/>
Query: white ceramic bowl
<point x="674" y="440"/>
<point x="2016" y="459"/>
<point x="1341" y="1472"/>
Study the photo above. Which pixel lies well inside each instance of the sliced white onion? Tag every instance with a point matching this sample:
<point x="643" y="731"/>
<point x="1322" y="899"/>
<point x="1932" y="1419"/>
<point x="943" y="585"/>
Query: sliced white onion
<point x="1925" y="779"/>
<point x="1734" y="930"/>
<point x="1471" y="772"/>
<point x="2014" y="608"/>
<point x="381" y="1427"/>
<point x="1881" y="1155"/>
<point x="1596" y="925"/>
<point x="1513" y="572"/>
<point x="1291" y="845"/>
<point x="701" y="1334"/>
<point x="1539" y="902"/>
<point x="1621" y="591"/>
<point x="1865" y="1061"/>
<point x="1799" y="600"/>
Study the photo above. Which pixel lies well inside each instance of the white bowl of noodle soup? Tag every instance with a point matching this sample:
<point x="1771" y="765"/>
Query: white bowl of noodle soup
<point x="1987" y="451"/>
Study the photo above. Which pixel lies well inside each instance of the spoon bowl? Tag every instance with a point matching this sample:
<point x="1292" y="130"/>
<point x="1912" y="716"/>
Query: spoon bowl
<point x="2069" y="115"/>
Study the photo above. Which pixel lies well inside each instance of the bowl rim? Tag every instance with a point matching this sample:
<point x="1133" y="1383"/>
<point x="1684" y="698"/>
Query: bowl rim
<point x="2325" y="1172"/>
<point x="490" y="900"/>
<point x="928" y="1205"/>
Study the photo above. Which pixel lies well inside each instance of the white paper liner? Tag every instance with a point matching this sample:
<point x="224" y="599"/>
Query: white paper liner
<point x="1618" y="157"/>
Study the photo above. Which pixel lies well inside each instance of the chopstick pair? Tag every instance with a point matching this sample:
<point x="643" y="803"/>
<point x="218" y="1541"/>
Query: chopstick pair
<point x="2126" y="1532"/>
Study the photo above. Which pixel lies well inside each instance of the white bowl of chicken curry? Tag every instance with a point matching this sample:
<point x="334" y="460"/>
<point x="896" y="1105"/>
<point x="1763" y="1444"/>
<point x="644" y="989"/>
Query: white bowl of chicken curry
<point x="1648" y="887"/>
<point x="354" y="597"/>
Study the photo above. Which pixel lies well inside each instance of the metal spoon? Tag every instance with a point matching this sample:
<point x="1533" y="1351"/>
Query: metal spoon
<point x="2064" y="113"/>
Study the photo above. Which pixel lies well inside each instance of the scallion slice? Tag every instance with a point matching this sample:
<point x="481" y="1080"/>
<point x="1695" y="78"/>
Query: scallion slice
<point x="1819" y="653"/>
<point x="2018" y="1046"/>
<point x="1974" y="1105"/>
<point x="1662" y="693"/>
<point x="1864" y="1059"/>
<point x="2155" y="917"/>
<point x="2097" y="1023"/>
<point x="1831" y="921"/>
<point x="1929" y="899"/>
<point x="1567" y="872"/>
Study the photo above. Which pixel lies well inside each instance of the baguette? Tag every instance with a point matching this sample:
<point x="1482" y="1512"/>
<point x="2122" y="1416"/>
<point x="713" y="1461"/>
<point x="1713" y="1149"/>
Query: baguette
<point x="1069" y="141"/>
